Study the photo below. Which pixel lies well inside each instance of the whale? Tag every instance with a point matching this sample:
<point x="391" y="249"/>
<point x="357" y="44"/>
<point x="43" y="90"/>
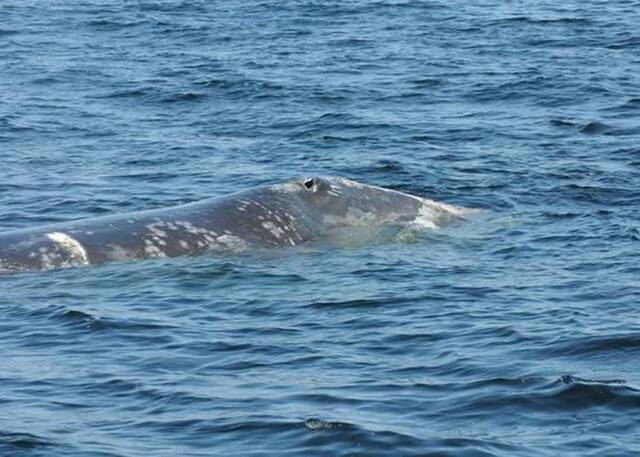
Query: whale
<point x="287" y="214"/>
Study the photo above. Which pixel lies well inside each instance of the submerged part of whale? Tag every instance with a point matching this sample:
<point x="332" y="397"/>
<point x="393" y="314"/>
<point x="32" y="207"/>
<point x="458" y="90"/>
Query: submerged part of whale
<point x="280" y="215"/>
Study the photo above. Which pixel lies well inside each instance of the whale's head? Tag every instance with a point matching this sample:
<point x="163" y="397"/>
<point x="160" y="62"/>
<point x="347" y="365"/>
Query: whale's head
<point x="337" y="202"/>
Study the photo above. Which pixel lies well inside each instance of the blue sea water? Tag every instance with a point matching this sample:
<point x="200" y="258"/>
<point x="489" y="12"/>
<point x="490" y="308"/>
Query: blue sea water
<point x="515" y="334"/>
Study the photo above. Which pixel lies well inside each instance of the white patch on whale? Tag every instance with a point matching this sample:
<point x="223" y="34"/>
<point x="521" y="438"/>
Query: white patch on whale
<point x="70" y="246"/>
<point x="229" y="243"/>
<point x="273" y="229"/>
<point x="118" y="252"/>
<point x="354" y="217"/>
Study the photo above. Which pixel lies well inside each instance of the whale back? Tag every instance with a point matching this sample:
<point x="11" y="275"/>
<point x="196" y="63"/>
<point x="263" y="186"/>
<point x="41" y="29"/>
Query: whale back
<point x="287" y="214"/>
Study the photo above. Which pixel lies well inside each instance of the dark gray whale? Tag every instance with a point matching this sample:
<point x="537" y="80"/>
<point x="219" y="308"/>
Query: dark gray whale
<point x="286" y="214"/>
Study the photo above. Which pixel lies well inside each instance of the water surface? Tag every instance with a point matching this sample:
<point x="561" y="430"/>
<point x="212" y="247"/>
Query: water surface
<point x="514" y="334"/>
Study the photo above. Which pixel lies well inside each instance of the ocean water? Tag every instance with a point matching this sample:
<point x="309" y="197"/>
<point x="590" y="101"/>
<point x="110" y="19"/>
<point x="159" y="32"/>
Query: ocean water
<point x="515" y="334"/>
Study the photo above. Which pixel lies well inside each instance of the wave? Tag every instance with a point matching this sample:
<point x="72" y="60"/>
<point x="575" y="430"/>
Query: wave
<point x="560" y="21"/>
<point x="581" y="345"/>
<point x="154" y="94"/>
<point x="13" y="443"/>
<point x="565" y="395"/>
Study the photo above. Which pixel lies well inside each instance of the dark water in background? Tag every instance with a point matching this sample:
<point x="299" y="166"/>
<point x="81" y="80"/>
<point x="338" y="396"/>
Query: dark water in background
<point x="515" y="334"/>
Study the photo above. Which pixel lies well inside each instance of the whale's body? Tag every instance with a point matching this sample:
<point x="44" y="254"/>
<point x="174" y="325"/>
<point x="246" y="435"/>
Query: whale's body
<point x="271" y="216"/>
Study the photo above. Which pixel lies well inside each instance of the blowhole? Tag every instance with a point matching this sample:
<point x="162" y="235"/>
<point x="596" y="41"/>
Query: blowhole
<point x="308" y="183"/>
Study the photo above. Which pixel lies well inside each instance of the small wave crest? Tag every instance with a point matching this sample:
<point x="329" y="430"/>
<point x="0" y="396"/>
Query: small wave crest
<point x="14" y="442"/>
<point x="566" y="394"/>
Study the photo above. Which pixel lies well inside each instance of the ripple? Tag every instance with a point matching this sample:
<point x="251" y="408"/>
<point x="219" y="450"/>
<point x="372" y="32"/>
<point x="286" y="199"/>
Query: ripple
<point x="593" y="344"/>
<point x="358" y="303"/>
<point x="562" y="123"/>
<point x="112" y="24"/>
<point x="594" y="128"/>
<point x="426" y="83"/>
<point x="82" y="319"/>
<point x="317" y="425"/>
<point x="567" y="395"/>
<point x="546" y="21"/>
<point x="570" y="393"/>
<point x="14" y="442"/>
<point x="240" y="84"/>
<point x="184" y="97"/>
<point x="631" y="42"/>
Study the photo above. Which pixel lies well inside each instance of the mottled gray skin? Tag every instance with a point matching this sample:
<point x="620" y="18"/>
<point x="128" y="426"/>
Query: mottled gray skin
<point x="281" y="215"/>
